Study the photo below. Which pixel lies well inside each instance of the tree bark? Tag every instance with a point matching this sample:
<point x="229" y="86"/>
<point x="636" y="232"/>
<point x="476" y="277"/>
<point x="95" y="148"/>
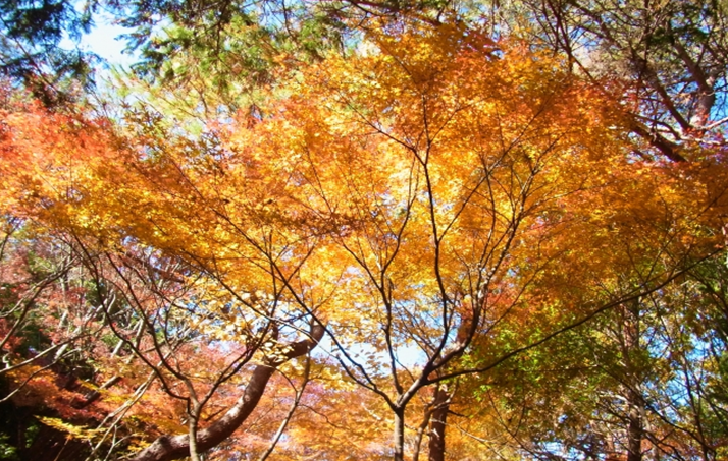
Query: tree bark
<point x="168" y="448"/>
<point x="631" y="332"/>
<point x="634" y="434"/>
<point x="668" y="148"/>
<point x="399" y="434"/>
<point x="438" y="425"/>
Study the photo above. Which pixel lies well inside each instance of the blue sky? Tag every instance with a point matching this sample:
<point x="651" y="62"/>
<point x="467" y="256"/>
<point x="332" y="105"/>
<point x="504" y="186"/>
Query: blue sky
<point x="103" y="40"/>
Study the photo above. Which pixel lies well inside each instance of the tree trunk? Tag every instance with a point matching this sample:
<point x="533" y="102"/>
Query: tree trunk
<point x="399" y="434"/>
<point x="438" y="425"/>
<point x="635" y="431"/>
<point x="634" y="378"/>
<point x="168" y="448"/>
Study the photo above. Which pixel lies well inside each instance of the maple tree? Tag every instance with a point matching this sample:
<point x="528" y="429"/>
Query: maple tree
<point x="442" y="322"/>
<point x="623" y="387"/>
<point x="439" y="209"/>
<point x="168" y="308"/>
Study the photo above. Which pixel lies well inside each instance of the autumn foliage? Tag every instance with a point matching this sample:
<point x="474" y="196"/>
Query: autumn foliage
<point x="437" y="244"/>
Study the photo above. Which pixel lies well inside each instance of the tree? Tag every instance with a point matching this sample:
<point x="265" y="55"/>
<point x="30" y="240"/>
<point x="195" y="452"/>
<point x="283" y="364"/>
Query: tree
<point x="664" y="60"/>
<point x="441" y="195"/>
<point x="169" y="308"/>
<point x="31" y="53"/>
<point x="423" y="290"/>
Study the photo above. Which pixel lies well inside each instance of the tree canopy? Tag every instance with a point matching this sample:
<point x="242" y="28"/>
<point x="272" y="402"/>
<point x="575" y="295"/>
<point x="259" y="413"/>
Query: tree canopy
<point x="366" y="230"/>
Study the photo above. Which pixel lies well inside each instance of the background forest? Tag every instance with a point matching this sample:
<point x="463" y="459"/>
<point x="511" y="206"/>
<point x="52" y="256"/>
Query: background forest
<point x="364" y="230"/>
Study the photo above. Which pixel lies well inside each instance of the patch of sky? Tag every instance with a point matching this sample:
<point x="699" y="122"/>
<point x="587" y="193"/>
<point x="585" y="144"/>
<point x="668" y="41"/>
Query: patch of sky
<point x="106" y="41"/>
<point x="407" y="354"/>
